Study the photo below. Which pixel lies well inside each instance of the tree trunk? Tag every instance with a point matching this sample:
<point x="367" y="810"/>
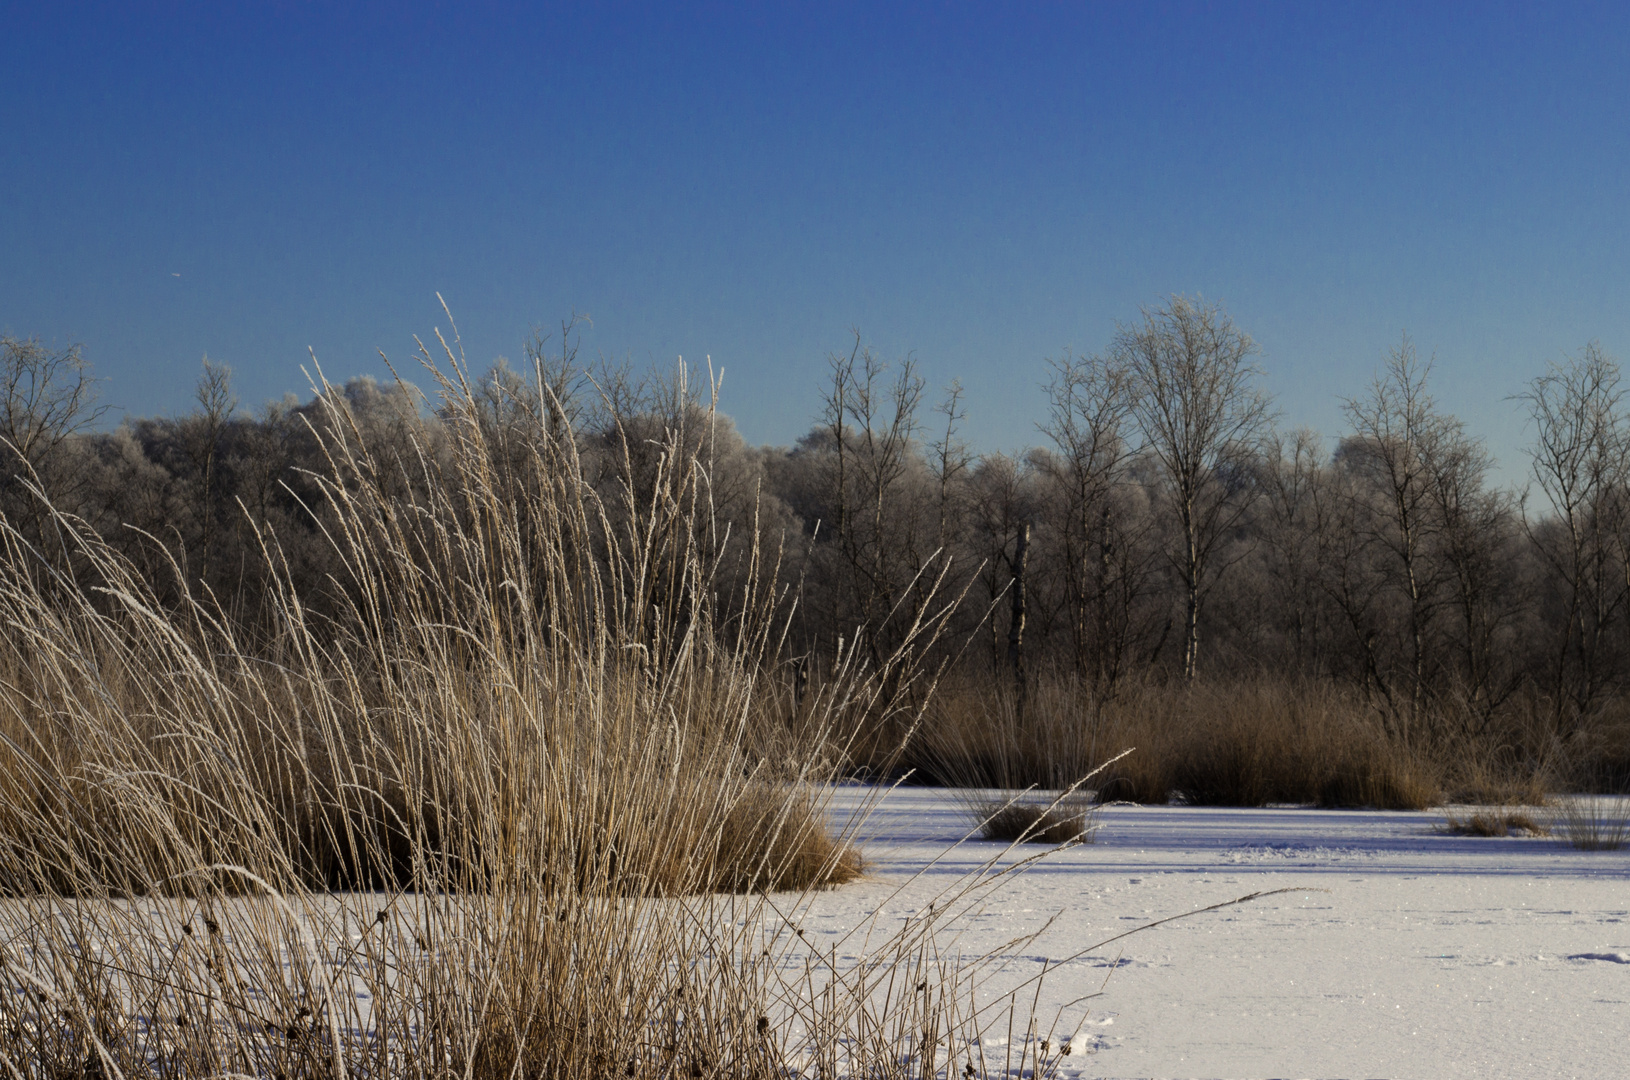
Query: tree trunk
<point x="1015" y="629"/>
<point x="1191" y="622"/>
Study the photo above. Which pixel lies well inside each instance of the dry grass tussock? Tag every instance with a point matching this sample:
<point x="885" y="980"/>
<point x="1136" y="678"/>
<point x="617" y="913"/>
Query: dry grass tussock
<point x="514" y="813"/>
<point x="1245" y="744"/>
<point x="1494" y="823"/>
<point x="1063" y="816"/>
<point x="1593" y="823"/>
<point x="1035" y="822"/>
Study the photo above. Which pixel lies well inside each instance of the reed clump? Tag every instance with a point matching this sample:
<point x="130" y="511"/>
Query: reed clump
<point x="509" y="807"/>
<point x="1593" y="822"/>
<point x="1246" y="744"/>
<point x="1036" y="822"/>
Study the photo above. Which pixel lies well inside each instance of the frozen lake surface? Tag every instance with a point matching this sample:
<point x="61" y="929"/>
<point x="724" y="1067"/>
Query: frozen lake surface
<point x="1411" y="953"/>
<point x="1427" y="955"/>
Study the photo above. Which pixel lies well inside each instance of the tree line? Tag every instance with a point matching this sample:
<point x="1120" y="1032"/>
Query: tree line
<point x="1166" y="526"/>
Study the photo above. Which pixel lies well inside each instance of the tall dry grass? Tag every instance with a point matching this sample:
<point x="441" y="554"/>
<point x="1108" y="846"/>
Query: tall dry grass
<point x="1246" y="744"/>
<point x="513" y="811"/>
<point x="1593" y="822"/>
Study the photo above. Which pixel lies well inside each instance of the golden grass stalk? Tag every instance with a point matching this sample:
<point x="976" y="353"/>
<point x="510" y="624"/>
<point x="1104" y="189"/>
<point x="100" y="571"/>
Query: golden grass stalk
<point x="512" y="806"/>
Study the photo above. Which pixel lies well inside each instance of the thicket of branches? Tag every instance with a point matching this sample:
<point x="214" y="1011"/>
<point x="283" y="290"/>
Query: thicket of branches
<point x="1166" y="528"/>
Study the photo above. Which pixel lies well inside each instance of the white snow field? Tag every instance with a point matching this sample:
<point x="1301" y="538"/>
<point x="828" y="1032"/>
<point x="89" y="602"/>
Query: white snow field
<point x="1425" y="955"/>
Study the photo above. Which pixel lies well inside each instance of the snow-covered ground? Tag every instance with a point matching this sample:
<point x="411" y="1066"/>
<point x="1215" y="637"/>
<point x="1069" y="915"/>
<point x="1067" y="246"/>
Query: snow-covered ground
<point x="1422" y="955"/>
<point x="1411" y="953"/>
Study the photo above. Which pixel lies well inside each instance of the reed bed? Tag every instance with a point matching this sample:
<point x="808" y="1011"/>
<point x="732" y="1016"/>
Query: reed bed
<point x="1246" y="744"/>
<point x="518" y="803"/>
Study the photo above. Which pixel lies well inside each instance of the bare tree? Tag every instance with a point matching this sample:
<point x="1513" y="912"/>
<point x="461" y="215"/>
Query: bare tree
<point x="1002" y="503"/>
<point x="203" y="433"/>
<point x="1474" y="529"/>
<point x="1291" y="475"/>
<point x="950" y="460"/>
<point x="1398" y="433"/>
<point x="1200" y="414"/>
<point x="869" y="422"/>
<point x="1089" y="401"/>
<point x="1579" y="464"/>
<point x="46" y="395"/>
<point x="558" y="378"/>
<point x="1342" y="521"/>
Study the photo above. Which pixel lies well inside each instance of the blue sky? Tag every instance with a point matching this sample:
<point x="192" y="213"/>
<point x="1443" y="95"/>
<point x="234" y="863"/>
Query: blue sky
<point x="980" y="186"/>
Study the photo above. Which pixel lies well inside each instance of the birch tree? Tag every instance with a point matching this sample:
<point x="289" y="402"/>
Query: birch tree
<point x="1196" y="404"/>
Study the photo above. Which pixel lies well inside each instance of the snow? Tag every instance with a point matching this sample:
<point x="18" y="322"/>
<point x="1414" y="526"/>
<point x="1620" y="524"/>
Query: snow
<point x="1421" y="954"/>
<point x="1404" y="952"/>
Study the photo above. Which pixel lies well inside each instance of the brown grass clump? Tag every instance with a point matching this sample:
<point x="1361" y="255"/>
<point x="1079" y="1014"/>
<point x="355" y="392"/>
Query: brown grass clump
<point x="762" y="845"/>
<point x="1032" y="823"/>
<point x="1475" y="777"/>
<point x="1493" y="823"/>
<point x="1378" y="774"/>
<point x="511" y="812"/>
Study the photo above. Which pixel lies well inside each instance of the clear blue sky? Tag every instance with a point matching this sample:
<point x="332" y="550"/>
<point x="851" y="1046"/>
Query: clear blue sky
<point x="981" y="186"/>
